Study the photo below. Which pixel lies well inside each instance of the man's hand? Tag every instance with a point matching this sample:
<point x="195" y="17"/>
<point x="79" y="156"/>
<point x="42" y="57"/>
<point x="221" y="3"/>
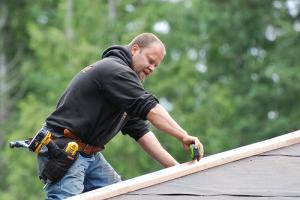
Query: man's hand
<point x="187" y="140"/>
<point x="161" y="119"/>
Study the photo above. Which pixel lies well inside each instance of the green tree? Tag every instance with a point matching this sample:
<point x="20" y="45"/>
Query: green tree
<point x="229" y="75"/>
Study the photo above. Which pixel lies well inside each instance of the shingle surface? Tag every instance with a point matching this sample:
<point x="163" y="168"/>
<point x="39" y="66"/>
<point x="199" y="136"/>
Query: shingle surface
<point x="272" y="175"/>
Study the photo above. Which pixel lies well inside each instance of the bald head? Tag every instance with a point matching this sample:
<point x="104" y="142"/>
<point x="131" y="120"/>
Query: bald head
<point x="145" y="40"/>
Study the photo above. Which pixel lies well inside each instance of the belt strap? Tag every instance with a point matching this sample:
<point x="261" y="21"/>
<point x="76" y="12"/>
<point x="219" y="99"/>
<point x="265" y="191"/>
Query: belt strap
<point x="82" y="147"/>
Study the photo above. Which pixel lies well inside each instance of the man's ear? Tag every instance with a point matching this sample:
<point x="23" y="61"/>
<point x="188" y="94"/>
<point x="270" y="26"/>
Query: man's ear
<point x="135" y="49"/>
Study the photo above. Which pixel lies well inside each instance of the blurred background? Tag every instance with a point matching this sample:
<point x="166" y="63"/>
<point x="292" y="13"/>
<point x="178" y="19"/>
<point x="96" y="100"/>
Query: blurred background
<point x="230" y="76"/>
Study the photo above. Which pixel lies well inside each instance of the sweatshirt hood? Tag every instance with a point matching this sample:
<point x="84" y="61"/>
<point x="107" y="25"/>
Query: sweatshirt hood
<point x="121" y="52"/>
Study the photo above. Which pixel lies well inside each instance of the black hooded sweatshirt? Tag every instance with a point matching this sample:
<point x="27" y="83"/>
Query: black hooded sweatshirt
<point x="103" y="99"/>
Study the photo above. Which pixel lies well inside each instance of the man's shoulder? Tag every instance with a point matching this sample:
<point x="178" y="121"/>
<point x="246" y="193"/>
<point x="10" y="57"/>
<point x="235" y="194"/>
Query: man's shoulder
<point x="111" y="64"/>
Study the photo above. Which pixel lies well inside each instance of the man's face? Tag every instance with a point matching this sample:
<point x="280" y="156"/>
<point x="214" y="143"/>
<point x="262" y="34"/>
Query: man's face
<point x="145" y="60"/>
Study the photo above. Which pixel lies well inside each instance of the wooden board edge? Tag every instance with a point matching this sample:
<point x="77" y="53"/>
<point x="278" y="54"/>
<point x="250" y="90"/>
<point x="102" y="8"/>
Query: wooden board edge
<point x="190" y="167"/>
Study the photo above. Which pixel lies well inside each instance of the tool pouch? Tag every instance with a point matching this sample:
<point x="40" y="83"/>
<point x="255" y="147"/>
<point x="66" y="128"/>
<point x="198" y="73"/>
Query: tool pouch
<point x="58" y="165"/>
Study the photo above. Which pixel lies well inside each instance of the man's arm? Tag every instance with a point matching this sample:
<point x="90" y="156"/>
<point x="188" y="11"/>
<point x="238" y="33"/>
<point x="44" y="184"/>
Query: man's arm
<point x="161" y="119"/>
<point x="152" y="146"/>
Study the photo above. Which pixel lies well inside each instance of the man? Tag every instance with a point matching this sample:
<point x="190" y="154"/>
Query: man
<point x="103" y="99"/>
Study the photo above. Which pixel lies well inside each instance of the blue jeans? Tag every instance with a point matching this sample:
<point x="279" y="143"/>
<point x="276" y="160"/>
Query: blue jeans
<point x="87" y="173"/>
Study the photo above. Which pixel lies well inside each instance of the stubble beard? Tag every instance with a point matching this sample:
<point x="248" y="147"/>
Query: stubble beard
<point x="142" y="76"/>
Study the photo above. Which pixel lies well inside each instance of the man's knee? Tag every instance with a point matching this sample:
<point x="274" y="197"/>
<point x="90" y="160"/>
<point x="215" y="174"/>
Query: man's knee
<point x="62" y="190"/>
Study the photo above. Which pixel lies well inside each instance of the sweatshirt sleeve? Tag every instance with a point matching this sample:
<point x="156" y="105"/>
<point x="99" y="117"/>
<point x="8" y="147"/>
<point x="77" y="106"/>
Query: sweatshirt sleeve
<point x="136" y="128"/>
<point x="126" y="92"/>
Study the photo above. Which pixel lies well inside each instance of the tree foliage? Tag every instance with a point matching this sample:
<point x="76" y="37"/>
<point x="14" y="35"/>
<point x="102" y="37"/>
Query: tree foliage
<point x="229" y="77"/>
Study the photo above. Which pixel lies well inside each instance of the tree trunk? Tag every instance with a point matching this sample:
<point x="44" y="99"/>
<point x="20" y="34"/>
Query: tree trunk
<point x="68" y="20"/>
<point x="112" y="19"/>
<point x="3" y="88"/>
<point x="3" y="69"/>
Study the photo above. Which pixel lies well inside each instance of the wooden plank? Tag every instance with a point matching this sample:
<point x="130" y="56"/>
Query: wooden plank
<point x="190" y="167"/>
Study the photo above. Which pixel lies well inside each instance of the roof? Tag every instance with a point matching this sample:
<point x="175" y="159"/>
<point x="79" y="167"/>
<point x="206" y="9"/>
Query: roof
<point x="263" y="170"/>
<point x="275" y="174"/>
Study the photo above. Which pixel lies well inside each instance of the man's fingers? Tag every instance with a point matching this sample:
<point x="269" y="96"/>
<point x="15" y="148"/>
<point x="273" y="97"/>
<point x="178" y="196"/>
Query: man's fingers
<point x="201" y="150"/>
<point x="194" y="140"/>
<point x="200" y="147"/>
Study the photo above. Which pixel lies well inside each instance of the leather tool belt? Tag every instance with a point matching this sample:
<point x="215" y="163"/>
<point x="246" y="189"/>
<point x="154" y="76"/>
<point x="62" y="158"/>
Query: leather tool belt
<point x="82" y="147"/>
